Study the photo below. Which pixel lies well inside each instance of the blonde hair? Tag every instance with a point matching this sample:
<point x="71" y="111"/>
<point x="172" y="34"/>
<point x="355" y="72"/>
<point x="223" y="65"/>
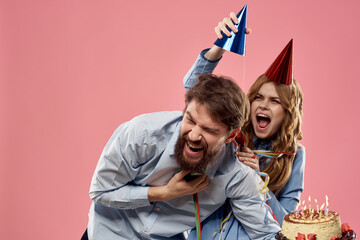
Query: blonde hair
<point x="287" y="137"/>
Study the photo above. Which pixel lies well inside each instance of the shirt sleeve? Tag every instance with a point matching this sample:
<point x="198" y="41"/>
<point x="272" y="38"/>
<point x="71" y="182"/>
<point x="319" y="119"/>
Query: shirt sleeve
<point x="112" y="184"/>
<point x="249" y="207"/>
<point x="289" y="195"/>
<point x="201" y="65"/>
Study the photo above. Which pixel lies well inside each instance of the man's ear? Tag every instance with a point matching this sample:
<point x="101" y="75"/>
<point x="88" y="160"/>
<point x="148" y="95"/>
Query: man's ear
<point x="232" y="135"/>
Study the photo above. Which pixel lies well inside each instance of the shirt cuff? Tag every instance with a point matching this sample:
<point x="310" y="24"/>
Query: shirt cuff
<point x="202" y="54"/>
<point x="138" y="196"/>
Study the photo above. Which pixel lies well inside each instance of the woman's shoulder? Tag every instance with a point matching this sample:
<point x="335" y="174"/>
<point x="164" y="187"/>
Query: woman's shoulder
<point x="300" y="154"/>
<point x="300" y="146"/>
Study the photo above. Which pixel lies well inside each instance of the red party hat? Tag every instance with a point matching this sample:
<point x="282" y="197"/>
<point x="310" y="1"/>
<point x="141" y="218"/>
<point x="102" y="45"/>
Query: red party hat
<point x="280" y="70"/>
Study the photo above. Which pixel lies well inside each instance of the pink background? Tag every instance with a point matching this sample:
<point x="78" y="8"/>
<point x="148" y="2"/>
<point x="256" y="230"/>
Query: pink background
<point x="72" y="71"/>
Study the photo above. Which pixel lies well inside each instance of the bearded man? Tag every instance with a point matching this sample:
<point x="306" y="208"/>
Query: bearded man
<point x="140" y="188"/>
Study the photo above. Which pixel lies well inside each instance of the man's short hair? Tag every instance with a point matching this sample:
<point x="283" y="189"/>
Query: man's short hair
<point x="222" y="97"/>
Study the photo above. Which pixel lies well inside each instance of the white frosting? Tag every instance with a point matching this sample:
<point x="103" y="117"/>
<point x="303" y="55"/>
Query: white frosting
<point x="324" y="227"/>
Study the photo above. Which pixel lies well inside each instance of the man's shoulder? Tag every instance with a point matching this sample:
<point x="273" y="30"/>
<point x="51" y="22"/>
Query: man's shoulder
<point x="163" y="117"/>
<point x="153" y="124"/>
<point x="229" y="163"/>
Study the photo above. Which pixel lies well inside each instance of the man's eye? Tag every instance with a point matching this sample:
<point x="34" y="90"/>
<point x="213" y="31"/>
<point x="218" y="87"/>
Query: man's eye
<point x="213" y="132"/>
<point x="190" y="120"/>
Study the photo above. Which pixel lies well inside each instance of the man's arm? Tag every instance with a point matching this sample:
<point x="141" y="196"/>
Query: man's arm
<point x="249" y="207"/>
<point x="118" y="178"/>
<point x="112" y="183"/>
<point x="178" y="187"/>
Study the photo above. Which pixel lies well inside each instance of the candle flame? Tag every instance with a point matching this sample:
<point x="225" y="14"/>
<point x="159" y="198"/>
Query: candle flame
<point x="309" y="199"/>
<point x="315" y="201"/>
<point x="322" y="206"/>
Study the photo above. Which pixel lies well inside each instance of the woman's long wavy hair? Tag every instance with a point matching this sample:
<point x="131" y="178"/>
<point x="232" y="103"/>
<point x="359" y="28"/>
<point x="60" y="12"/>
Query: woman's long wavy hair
<point x="286" y="139"/>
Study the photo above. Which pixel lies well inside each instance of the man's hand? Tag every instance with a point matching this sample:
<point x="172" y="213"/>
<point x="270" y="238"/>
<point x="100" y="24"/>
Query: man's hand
<point x="178" y="187"/>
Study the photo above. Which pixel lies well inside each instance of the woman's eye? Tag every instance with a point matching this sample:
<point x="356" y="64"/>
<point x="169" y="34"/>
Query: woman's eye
<point x="276" y="101"/>
<point x="257" y="97"/>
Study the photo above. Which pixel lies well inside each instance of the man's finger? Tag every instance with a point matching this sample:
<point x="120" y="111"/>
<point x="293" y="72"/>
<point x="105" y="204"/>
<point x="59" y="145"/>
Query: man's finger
<point x="182" y="174"/>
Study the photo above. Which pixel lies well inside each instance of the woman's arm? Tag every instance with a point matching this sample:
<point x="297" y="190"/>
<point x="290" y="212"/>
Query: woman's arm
<point x="209" y="58"/>
<point x="289" y="195"/>
<point x="201" y="65"/>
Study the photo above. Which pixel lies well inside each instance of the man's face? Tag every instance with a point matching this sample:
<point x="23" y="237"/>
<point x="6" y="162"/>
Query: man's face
<point x="201" y="137"/>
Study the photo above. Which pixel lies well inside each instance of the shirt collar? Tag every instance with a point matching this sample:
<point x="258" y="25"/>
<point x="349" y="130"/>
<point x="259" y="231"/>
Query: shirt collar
<point x="262" y="144"/>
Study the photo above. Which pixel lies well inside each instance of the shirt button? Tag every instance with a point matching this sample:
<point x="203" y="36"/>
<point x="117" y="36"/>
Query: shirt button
<point x="146" y="229"/>
<point x="157" y="209"/>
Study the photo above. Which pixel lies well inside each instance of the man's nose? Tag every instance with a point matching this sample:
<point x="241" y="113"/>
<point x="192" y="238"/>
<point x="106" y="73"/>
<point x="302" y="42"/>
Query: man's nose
<point x="195" y="134"/>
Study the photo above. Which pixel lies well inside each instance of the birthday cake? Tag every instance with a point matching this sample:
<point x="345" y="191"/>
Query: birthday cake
<point x="311" y="224"/>
<point x="325" y="226"/>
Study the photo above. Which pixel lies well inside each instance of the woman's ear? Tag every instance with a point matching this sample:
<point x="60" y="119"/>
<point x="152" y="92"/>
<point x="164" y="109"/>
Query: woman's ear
<point x="232" y="135"/>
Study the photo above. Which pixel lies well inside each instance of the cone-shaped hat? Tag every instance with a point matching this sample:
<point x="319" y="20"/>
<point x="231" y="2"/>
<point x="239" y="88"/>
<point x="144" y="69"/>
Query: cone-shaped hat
<point x="280" y="70"/>
<point x="235" y="43"/>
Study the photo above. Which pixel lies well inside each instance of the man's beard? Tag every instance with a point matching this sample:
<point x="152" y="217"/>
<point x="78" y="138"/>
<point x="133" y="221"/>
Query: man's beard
<point x="199" y="167"/>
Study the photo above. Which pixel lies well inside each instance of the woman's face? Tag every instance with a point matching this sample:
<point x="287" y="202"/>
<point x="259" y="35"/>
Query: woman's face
<point x="267" y="114"/>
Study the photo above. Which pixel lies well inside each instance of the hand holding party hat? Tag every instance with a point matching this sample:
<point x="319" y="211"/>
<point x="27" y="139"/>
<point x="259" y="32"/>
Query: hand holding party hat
<point x="235" y="43"/>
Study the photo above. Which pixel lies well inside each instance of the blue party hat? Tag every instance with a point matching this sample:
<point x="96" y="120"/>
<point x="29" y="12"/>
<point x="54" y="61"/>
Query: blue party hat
<point x="235" y="43"/>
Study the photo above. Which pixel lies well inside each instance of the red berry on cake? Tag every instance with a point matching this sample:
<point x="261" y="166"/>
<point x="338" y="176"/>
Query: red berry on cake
<point x="345" y="228"/>
<point x="300" y="237"/>
<point x="311" y="236"/>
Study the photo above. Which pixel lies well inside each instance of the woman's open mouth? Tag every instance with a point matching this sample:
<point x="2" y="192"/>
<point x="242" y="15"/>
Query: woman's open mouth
<point x="263" y="121"/>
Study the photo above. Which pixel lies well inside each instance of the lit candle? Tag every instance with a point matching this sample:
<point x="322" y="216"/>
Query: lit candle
<point x="321" y="208"/>
<point x="326" y="205"/>
<point x="317" y="206"/>
<point x="309" y="203"/>
<point x="297" y="210"/>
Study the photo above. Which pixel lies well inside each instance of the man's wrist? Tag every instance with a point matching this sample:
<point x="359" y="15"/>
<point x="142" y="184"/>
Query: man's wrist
<point x="156" y="194"/>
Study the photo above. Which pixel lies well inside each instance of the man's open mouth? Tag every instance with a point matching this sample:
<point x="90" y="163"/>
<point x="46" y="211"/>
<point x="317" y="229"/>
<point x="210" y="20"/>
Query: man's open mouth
<point x="194" y="148"/>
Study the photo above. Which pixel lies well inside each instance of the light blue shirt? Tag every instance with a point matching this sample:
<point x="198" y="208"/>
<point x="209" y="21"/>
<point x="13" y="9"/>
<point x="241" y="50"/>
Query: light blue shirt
<point x="289" y="196"/>
<point x="140" y="154"/>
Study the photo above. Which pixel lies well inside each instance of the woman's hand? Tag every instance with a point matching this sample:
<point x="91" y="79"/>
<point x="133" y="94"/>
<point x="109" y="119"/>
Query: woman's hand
<point x="215" y="52"/>
<point x="228" y="22"/>
<point x="248" y="157"/>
